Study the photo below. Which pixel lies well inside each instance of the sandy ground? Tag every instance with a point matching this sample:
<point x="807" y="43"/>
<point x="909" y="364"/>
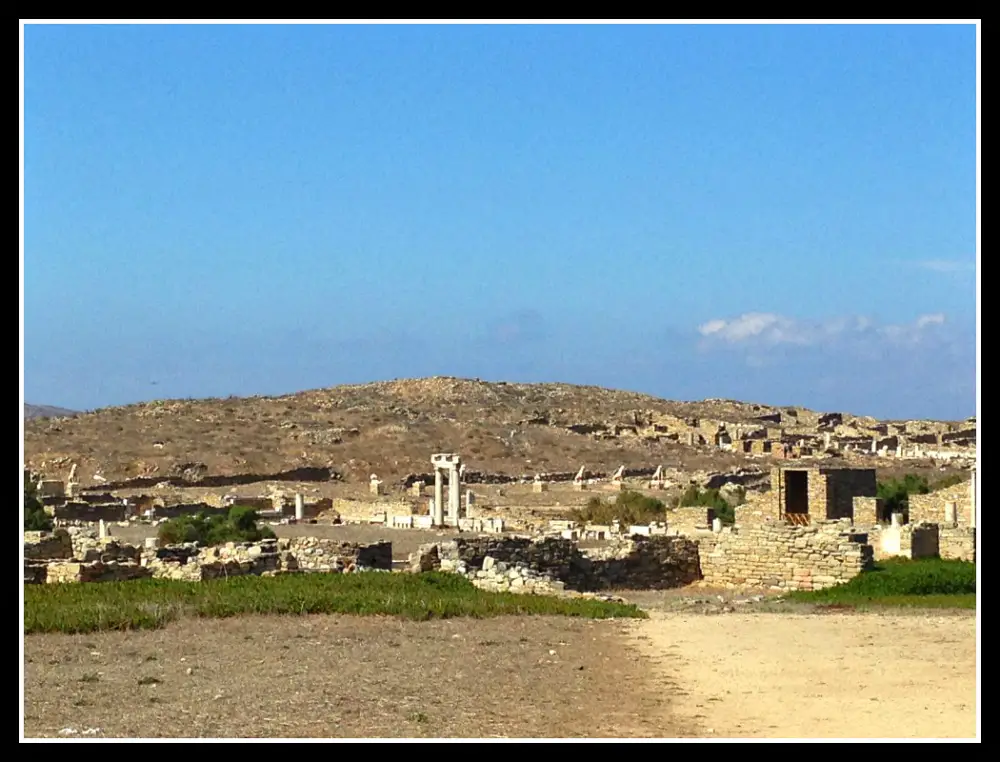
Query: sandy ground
<point x="857" y="675"/>
<point x="347" y="677"/>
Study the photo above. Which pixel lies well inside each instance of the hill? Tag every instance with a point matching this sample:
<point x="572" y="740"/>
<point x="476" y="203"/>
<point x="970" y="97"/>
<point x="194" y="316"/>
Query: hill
<point x="46" y="411"/>
<point x="391" y="429"/>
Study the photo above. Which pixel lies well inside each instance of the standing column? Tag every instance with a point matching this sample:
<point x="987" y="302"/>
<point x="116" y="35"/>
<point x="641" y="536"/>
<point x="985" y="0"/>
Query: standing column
<point x="300" y="507"/>
<point x="438" y="497"/>
<point x="454" y="494"/>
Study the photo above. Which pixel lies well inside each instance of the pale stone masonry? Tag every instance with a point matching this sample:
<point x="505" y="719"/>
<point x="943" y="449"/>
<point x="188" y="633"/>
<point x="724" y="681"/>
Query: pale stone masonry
<point x="782" y="557"/>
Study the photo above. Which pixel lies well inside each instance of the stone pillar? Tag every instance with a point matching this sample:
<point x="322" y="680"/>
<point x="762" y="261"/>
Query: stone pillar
<point x="874" y="445"/>
<point x="716" y="525"/>
<point x="454" y="494"/>
<point x="951" y="513"/>
<point x="102" y="529"/>
<point x="438" y="497"/>
<point x="300" y="507"/>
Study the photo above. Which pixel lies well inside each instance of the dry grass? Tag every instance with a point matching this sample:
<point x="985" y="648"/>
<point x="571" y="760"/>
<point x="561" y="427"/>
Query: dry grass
<point x="327" y="676"/>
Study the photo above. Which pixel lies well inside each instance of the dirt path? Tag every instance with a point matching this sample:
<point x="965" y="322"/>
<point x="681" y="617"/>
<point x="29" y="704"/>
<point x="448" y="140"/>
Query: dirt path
<point x="818" y="675"/>
<point x="347" y="677"/>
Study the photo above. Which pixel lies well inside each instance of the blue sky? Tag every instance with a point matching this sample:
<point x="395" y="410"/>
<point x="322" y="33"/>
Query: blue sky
<point x="783" y="214"/>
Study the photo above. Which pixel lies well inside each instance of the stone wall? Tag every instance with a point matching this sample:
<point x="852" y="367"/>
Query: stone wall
<point x="363" y="511"/>
<point x="48" y="545"/>
<point x="782" y="557"/>
<point x="690" y="517"/>
<point x="905" y="541"/>
<point x="93" y="571"/>
<point x="84" y="558"/>
<point x="758" y="508"/>
<point x="957" y="542"/>
<point x="931" y="507"/>
<point x="81" y="511"/>
<point x="636" y="563"/>
<point x="842" y="486"/>
<point x="268" y="557"/>
<point x="870" y="512"/>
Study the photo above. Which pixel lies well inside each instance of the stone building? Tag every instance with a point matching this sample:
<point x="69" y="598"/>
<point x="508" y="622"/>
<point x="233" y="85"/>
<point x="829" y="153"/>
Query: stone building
<point x="803" y="496"/>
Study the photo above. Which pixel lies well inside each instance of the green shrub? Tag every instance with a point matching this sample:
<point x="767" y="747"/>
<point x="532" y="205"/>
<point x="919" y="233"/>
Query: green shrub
<point x="895" y="493"/>
<point x="239" y="525"/>
<point x="629" y="507"/>
<point x="901" y="581"/>
<point x="35" y="517"/>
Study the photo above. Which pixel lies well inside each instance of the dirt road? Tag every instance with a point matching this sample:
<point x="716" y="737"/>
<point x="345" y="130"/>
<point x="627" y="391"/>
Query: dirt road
<point x="856" y="675"/>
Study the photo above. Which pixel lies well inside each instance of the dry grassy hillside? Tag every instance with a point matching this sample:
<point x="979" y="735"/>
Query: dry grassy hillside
<point x="388" y="428"/>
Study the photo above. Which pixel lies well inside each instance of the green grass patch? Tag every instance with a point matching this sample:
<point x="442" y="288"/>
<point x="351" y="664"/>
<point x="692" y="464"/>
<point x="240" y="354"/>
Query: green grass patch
<point x="149" y="604"/>
<point x="928" y="583"/>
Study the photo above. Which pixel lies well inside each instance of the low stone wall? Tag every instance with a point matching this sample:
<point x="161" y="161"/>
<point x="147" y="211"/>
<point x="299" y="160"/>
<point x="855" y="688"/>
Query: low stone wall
<point x="48" y="545"/>
<point x="268" y="557"/>
<point x="783" y="557"/>
<point x="79" y="511"/>
<point x="359" y="510"/>
<point x="636" y="563"/>
<point x="905" y="541"/>
<point x="644" y="563"/>
<point x="957" y="542"/>
<point x="93" y="571"/>
<point x="313" y="554"/>
<point x="88" y="559"/>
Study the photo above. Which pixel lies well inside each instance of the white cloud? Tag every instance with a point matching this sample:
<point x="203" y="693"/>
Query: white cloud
<point x="935" y="319"/>
<point x="763" y="326"/>
<point x="768" y="329"/>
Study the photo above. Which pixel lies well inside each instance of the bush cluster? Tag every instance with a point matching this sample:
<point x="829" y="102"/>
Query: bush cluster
<point x="35" y="517"/>
<point x="629" y="507"/>
<point x="895" y="493"/>
<point x="239" y="525"/>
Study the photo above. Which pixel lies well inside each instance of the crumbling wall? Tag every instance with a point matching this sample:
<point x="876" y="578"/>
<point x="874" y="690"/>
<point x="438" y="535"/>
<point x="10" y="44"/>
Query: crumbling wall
<point x="638" y="563"/>
<point x="48" y="545"/>
<point x="783" y="557"/>
<point x="99" y="560"/>
<point x="268" y="557"/>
